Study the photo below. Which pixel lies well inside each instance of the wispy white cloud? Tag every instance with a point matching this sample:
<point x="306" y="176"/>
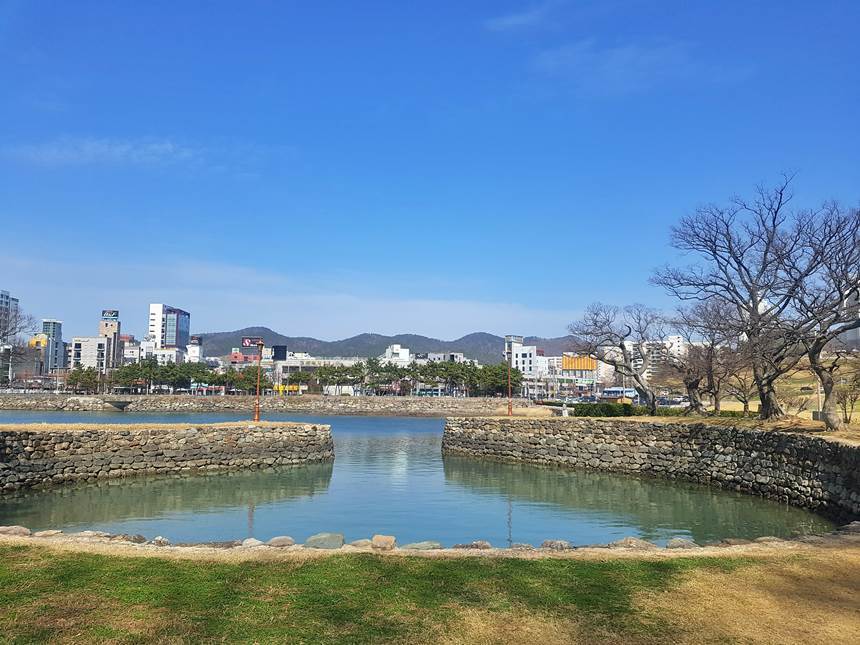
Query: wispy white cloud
<point x="226" y="296"/>
<point x="534" y="16"/>
<point x="619" y="69"/>
<point x="70" y="151"/>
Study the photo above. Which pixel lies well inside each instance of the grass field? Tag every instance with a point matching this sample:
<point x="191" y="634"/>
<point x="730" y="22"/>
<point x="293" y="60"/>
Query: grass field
<point x="53" y="596"/>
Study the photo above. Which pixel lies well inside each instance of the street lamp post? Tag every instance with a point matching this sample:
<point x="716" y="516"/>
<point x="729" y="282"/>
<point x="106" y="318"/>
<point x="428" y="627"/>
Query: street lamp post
<point x="259" y="371"/>
<point x="248" y="341"/>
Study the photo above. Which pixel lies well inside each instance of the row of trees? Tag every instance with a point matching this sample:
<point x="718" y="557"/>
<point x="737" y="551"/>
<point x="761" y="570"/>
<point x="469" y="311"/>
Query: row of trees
<point x="769" y="289"/>
<point x="148" y="375"/>
<point x="370" y="377"/>
<point x="374" y="377"/>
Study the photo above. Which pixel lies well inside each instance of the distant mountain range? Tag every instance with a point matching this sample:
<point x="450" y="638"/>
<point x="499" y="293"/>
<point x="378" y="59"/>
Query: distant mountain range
<point x="480" y="346"/>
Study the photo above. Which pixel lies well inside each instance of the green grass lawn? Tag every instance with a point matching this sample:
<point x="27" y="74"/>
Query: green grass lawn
<point x="57" y="596"/>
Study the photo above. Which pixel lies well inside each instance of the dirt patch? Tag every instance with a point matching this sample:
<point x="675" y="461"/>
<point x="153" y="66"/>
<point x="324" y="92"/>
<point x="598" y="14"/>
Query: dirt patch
<point x="808" y="598"/>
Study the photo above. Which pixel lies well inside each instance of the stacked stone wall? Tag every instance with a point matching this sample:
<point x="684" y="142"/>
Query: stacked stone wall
<point x="798" y="469"/>
<point x="58" y="454"/>
<point x="306" y="404"/>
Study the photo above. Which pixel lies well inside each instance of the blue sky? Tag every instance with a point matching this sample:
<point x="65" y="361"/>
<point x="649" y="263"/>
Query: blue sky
<point x="331" y="168"/>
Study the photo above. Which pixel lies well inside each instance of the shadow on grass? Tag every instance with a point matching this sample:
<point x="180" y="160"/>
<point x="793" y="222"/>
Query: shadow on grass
<point x="356" y="598"/>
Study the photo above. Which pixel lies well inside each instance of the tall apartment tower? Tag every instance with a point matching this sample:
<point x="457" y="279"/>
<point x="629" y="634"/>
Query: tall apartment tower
<point x="8" y="314"/>
<point x="55" y="355"/>
<point x="109" y="327"/>
<point x="169" y="327"/>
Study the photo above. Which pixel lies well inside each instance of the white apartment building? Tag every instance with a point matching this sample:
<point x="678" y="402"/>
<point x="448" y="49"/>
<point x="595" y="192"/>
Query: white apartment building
<point x="169" y="326"/>
<point x="523" y="357"/>
<point x="90" y="351"/>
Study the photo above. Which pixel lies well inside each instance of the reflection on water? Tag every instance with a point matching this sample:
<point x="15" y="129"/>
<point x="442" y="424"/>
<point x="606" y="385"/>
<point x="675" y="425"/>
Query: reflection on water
<point x="389" y="477"/>
<point x="146" y="498"/>
<point x="659" y="509"/>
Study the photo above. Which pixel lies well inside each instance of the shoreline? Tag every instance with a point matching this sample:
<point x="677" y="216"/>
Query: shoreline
<point x="842" y="538"/>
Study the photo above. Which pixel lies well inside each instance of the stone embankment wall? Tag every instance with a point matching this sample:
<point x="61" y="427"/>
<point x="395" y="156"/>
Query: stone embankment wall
<point x="54" y="454"/>
<point x="309" y="404"/>
<point x="798" y="469"/>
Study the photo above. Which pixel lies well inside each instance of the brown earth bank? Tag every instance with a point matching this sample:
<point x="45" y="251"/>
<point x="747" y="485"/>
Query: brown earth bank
<point x="305" y="404"/>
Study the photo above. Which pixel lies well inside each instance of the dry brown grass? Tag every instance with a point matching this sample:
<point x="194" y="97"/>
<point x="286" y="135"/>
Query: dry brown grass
<point x="533" y="412"/>
<point x="73" y="618"/>
<point x="813" y="598"/>
<point x="84" y="427"/>
<point x="481" y="627"/>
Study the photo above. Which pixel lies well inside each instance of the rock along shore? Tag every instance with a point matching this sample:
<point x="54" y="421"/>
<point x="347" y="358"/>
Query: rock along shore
<point x="306" y="404"/>
<point x="39" y="455"/>
<point x="811" y="472"/>
<point x="322" y="544"/>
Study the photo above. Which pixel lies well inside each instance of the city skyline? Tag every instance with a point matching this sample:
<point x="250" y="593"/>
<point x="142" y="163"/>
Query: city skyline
<point x="491" y="167"/>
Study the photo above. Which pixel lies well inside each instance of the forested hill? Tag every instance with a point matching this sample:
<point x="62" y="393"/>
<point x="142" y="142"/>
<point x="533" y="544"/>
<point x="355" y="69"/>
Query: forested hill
<point x="480" y="346"/>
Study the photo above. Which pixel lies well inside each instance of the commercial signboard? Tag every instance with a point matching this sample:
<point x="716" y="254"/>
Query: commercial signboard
<point x="585" y="363"/>
<point x="251" y="341"/>
<point x="110" y="314"/>
<point x="195" y="340"/>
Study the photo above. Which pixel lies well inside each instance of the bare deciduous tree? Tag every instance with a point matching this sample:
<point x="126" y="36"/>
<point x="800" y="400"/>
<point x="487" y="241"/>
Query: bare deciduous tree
<point x="827" y="301"/>
<point x="755" y="258"/>
<point x="623" y="339"/>
<point x="704" y="365"/>
<point x="848" y="390"/>
<point x="13" y="328"/>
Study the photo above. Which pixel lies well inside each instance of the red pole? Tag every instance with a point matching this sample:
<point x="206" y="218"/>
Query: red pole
<point x="259" y="368"/>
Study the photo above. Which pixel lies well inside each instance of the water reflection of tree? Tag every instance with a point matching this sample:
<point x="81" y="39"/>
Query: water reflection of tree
<point x="146" y="497"/>
<point x="658" y="508"/>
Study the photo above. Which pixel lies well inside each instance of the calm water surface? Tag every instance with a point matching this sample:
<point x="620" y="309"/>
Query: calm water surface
<point x="389" y="477"/>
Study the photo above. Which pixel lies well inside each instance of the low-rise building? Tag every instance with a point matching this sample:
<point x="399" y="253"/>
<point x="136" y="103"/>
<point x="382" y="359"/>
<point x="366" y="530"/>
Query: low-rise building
<point x="195" y="350"/>
<point x="130" y="353"/>
<point x="90" y="351"/>
<point x="397" y="355"/>
<point x="165" y="355"/>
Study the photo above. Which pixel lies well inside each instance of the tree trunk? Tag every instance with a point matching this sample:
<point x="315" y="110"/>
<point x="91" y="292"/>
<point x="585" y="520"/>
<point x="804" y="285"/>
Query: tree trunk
<point x="717" y="401"/>
<point x="770" y="407"/>
<point x="829" y="409"/>
<point x="692" y="386"/>
<point x="651" y="401"/>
